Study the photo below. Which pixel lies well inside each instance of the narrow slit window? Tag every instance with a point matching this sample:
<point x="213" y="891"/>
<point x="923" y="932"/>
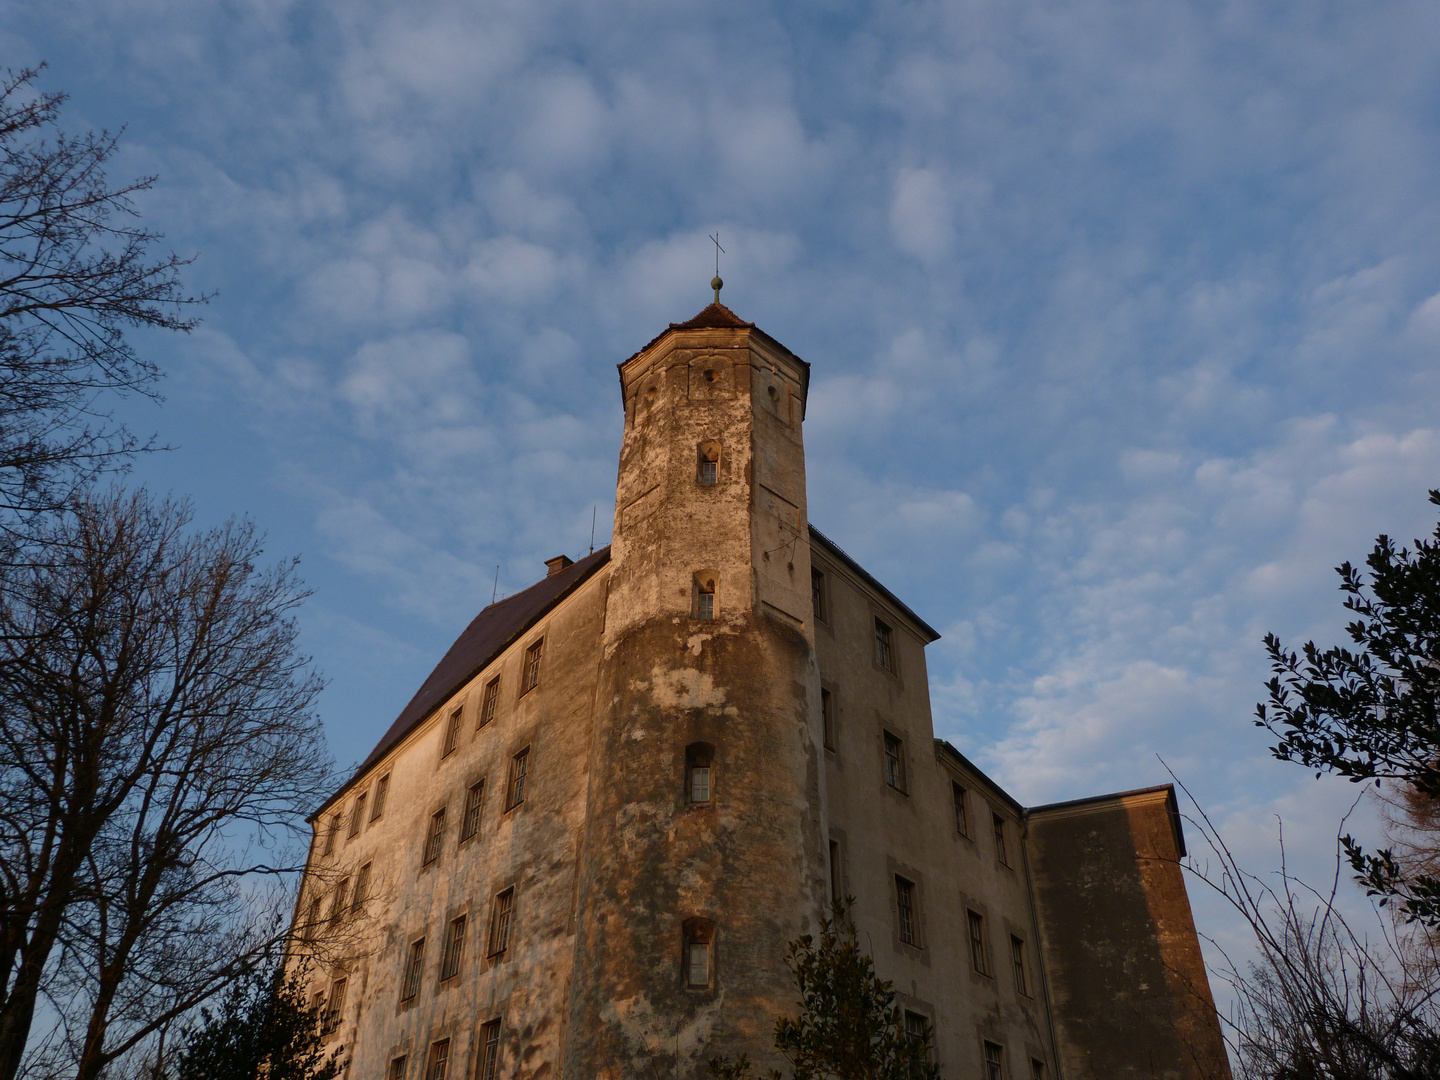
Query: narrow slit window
<point x="500" y="922"/>
<point x="834" y="871"/>
<point x="452" y="733"/>
<point x="335" y="1007"/>
<point x="905" y="911"/>
<point x="531" y="677"/>
<point x="1000" y="851"/>
<point x="894" y="762"/>
<point x="994" y="1061"/>
<point x="362" y="891"/>
<point x="414" y="968"/>
<point x="827" y="717"/>
<point x="699" y="761"/>
<point x="977" y="942"/>
<point x="434" y="837"/>
<point x="817" y="596"/>
<point x="519" y="771"/>
<point x="381" y="789"/>
<point x="474" y="802"/>
<point x="454" y="948"/>
<point x="884" y="646"/>
<point x="962" y="819"/>
<point x="1017" y="960"/>
<point x="490" y="1050"/>
<point x="489" y="702"/>
<point x="357" y="815"/>
<point x="439" y="1063"/>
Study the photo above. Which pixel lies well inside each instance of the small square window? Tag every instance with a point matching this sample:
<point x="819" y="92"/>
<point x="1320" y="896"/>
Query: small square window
<point x="978" y="958"/>
<point x="414" y="968"/>
<point x="500" y="922"/>
<point x="452" y="733"/>
<point x="489" y="1050"/>
<point x="531" y="676"/>
<point x="357" y="815"/>
<point x="827" y="717"/>
<point x="905" y="911"/>
<point x="439" y="1063"/>
<point x="381" y="789"/>
<point x="894" y="762"/>
<point x="454" y="947"/>
<point x="994" y="1061"/>
<point x="519" y="770"/>
<point x="1000" y="848"/>
<point x="962" y="819"/>
<point x="488" y="702"/>
<point x="474" y="801"/>
<point x="884" y="646"/>
<point x="434" y="837"/>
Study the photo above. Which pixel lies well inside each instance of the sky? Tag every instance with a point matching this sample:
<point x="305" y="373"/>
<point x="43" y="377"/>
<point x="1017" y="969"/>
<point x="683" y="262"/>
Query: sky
<point x="1123" y="318"/>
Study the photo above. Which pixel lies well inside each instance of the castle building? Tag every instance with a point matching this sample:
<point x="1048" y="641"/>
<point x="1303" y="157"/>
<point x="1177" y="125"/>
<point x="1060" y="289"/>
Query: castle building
<point x="583" y="848"/>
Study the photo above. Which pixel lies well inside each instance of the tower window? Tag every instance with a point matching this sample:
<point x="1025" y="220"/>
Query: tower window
<point x="994" y="1061"/>
<point x="531" y="677"/>
<point x="977" y="942"/>
<point x="452" y="733"/>
<point x="704" y="607"/>
<point x="827" y="717"/>
<point x="1017" y="959"/>
<point x="381" y="789"/>
<point x="439" y="1063"/>
<point x="357" y="815"/>
<point x="433" y="837"/>
<point x="414" y="967"/>
<point x="519" y="769"/>
<point x="699" y="759"/>
<point x="884" y="646"/>
<point x="894" y="762"/>
<point x="905" y="911"/>
<point x="699" y="955"/>
<point x="708" y="472"/>
<point x="1000" y="852"/>
<point x="490" y="1050"/>
<point x="488" y="702"/>
<point x="474" y="800"/>
<point x="500" y="922"/>
<point x="962" y="820"/>
<point x="454" y="947"/>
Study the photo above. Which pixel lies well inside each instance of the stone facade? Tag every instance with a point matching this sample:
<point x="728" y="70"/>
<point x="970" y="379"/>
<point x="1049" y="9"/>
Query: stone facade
<point x="626" y="789"/>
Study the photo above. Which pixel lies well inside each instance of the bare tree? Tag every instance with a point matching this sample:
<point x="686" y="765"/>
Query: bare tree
<point x="158" y="749"/>
<point x="76" y="271"/>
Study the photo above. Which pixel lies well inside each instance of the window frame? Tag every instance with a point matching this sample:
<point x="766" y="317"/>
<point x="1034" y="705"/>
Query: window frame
<point x="907" y="912"/>
<point x="452" y="951"/>
<point x="470" y="820"/>
<point x="437" y="1062"/>
<point x="1002" y="853"/>
<point x="979" y="938"/>
<point x="829" y="728"/>
<point x="820" y="594"/>
<point x="339" y="901"/>
<point x="357" y="814"/>
<point x="452" y="732"/>
<point x="518" y="779"/>
<point x="884" y="646"/>
<point x="502" y="923"/>
<point x="694" y="932"/>
<point x="335" y="1006"/>
<point x="398" y="1065"/>
<point x="1018" y="965"/>
<point x="434" y="838"/>
<point x="530" y="669"/>
<point x="489" y="1063"/>
<point x="332" y="833"/>
<point x="994" y="1063"/>
<point x="382" y="788"/>
<point x="960" y="796"/>
<point x="362" y="890"/>
<point x="489" y="703"/>
<point x="898" y="772"/>
<point x="698" y="756"/>
<point x="414" y="970"/>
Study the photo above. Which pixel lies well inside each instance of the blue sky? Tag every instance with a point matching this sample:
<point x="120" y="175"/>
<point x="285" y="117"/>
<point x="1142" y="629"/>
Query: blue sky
<point x="1123" y="318"/>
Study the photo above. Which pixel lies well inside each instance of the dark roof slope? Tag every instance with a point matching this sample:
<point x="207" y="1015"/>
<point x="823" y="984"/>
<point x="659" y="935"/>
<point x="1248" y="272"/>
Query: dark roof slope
<point x="485" y="638"/>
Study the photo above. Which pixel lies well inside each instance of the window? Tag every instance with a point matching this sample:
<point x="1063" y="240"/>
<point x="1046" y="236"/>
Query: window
<point x="380" y="791"/>
<point x="699" y="758"/>
<point x="337" y="904"/>
<point x="894" y="762"/>
<point x="827" y="717"/>
<point x="1037" y="1069"/>
<point x="315" y="916"/>
<point x="414" y="967"/>
<point x="834" y="871"/>
<point x="817" y="596"/>
<point x="454" y="947"/>
<point x="905" y="911"/>
<point x="434" y="837"/>
<point x="1000" y="852"/>
<point x="917" y="1028"/>
<point x="335" y="1007"/>
<point x="884" y="646"/>
<point x="709" y="464"/>
<point x="1017" y="958"/>
<point x="397" y="1068"/>
<point x="994" y="1061"/>
<point x="515" y="790"/>
<point x="489" y="1050"/>
<point x="488" y="702"/>
<point x="699" y="960"/>
<point x="330" y="835"/>
<point x="705" y="598"/>
<point x="357" y="816"/>
<point x="452" y="733"/>
<point x="439" y="1062"/>
<point x="962" y="820"/>
<point x="531" y="676"/>
<point x="977" y="942"/>
<point x="474" y="800"/>
<point x="500" y="922"/>
<point x="362" y="891"/>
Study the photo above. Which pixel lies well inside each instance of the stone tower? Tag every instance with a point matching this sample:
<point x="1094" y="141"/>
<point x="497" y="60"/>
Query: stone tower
<point x="704" y="850"/>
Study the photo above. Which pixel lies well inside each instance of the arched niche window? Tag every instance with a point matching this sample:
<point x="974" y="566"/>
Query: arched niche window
<point x="699" y="773"/>
<point x="698" y="957"/>
<point x="703" y="602"/>
<point x="707" y="466"/>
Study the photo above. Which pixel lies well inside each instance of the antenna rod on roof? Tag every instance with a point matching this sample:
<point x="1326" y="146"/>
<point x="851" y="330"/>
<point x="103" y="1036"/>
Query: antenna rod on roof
<point x="593" y="510"/>
<point x="495" y="586"/>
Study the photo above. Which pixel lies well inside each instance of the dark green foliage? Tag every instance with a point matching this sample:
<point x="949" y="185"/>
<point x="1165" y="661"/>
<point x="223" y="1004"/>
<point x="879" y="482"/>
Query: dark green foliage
<point x="1374" y="713"/>
<point x="262" y="1030"/>
<point x="849" y="1027"/>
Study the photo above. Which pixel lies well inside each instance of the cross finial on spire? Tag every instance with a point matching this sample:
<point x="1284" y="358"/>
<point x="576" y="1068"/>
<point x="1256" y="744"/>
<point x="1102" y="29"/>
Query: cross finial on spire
<point x="715" y="282"/>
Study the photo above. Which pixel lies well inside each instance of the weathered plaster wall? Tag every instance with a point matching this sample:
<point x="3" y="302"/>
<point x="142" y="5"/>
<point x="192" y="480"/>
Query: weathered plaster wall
<point x="532" y="848"/>
<point x="1130" y="992"/>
